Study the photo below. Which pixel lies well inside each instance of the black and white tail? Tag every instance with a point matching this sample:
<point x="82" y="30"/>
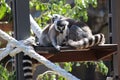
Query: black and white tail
<point x="27" y="67"/>
<point x="88" y="42"/>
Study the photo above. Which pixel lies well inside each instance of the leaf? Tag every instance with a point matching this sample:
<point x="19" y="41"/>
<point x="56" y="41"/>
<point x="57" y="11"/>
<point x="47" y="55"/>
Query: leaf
<point x="4" y="73"/>
<point x="37" y="7"/>
<point x="61" y="78"/>
<point x="101" y="67"/>
<point x="3" y="10"/>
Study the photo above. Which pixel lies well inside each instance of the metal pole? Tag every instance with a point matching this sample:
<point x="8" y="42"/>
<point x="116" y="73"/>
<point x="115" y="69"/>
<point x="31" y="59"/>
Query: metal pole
<point x="116" y="36"/>
<point x="21" y="30"/>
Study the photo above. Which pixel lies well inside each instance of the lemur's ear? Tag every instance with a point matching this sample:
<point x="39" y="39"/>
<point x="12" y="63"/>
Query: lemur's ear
<point x="55" y="22"/>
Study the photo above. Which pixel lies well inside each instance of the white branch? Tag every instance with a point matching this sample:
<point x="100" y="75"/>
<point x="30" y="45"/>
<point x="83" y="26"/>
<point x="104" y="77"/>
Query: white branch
<point x="6" y="52"/>
<point x="30" y="52"/>
<point x="2" y="49"/>
<point x="35" y="27"/>
<point x="29" y="41"/>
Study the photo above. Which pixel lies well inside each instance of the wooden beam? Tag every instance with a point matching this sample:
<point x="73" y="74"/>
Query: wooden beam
<point x="68" y="54"/>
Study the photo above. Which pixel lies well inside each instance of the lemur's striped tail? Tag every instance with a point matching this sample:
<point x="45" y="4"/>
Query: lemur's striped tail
<point x="88" y="42"/>
<point x="27" y="67"/>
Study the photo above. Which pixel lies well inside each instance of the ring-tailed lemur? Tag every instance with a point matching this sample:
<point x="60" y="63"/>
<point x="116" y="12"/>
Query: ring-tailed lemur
<point x="80" y="35"/>
<point x="72" y="22"/>
<point x="54" y="34"/>
<point x="27" y="61"/>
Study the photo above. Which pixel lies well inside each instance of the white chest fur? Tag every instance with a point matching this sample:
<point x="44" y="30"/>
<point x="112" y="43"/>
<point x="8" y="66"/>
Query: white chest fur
<point x="62" y="36"/>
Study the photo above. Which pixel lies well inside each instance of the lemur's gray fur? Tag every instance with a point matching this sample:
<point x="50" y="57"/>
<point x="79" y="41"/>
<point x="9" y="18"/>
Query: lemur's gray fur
<point x="54" y="34"/>
<point x="80" y="35"/>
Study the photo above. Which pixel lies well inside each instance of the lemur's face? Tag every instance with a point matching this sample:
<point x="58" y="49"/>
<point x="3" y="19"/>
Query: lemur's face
<point x="61" y="25"/>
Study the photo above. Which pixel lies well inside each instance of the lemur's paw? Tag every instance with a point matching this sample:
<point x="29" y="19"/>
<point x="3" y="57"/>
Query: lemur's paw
<point x="58" y="47"/>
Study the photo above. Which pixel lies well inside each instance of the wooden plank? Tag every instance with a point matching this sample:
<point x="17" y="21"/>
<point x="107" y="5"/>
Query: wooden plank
<point x="67" y="54"/>
<point x="71" y="54"/>
<point x="104" y="51"/>
<point x="5" y="26"/>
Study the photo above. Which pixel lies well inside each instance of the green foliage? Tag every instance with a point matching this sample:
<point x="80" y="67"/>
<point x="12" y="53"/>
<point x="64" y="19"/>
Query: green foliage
<point x="60" y="7"/>
<point x="99" y="66"/>
<point x="3" y="73"/>
<point x="68" y="66"/>
<point x="50" y="75"/>
<point x="4" y="9"/>
<point x="6" y="75"/>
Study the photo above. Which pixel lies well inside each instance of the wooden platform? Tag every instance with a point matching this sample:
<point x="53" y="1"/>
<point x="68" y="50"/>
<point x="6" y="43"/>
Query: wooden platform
<point x="5" y="26"/>
<point x="67" y="54"/>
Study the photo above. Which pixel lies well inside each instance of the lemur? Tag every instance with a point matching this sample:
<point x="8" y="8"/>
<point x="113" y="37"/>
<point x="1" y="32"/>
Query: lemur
<point x="80" y="35"/>
<point x="54" y="34"/>
<point x="72" y="22"/>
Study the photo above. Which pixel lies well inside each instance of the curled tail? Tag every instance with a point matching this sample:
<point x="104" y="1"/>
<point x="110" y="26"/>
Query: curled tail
<point x="27" y="67"/>
<point x="88" y="42"/>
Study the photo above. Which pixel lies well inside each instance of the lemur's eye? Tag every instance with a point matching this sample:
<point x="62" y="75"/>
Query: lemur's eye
<point x="58" y="28"/>
<point x="63" y="27"/>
